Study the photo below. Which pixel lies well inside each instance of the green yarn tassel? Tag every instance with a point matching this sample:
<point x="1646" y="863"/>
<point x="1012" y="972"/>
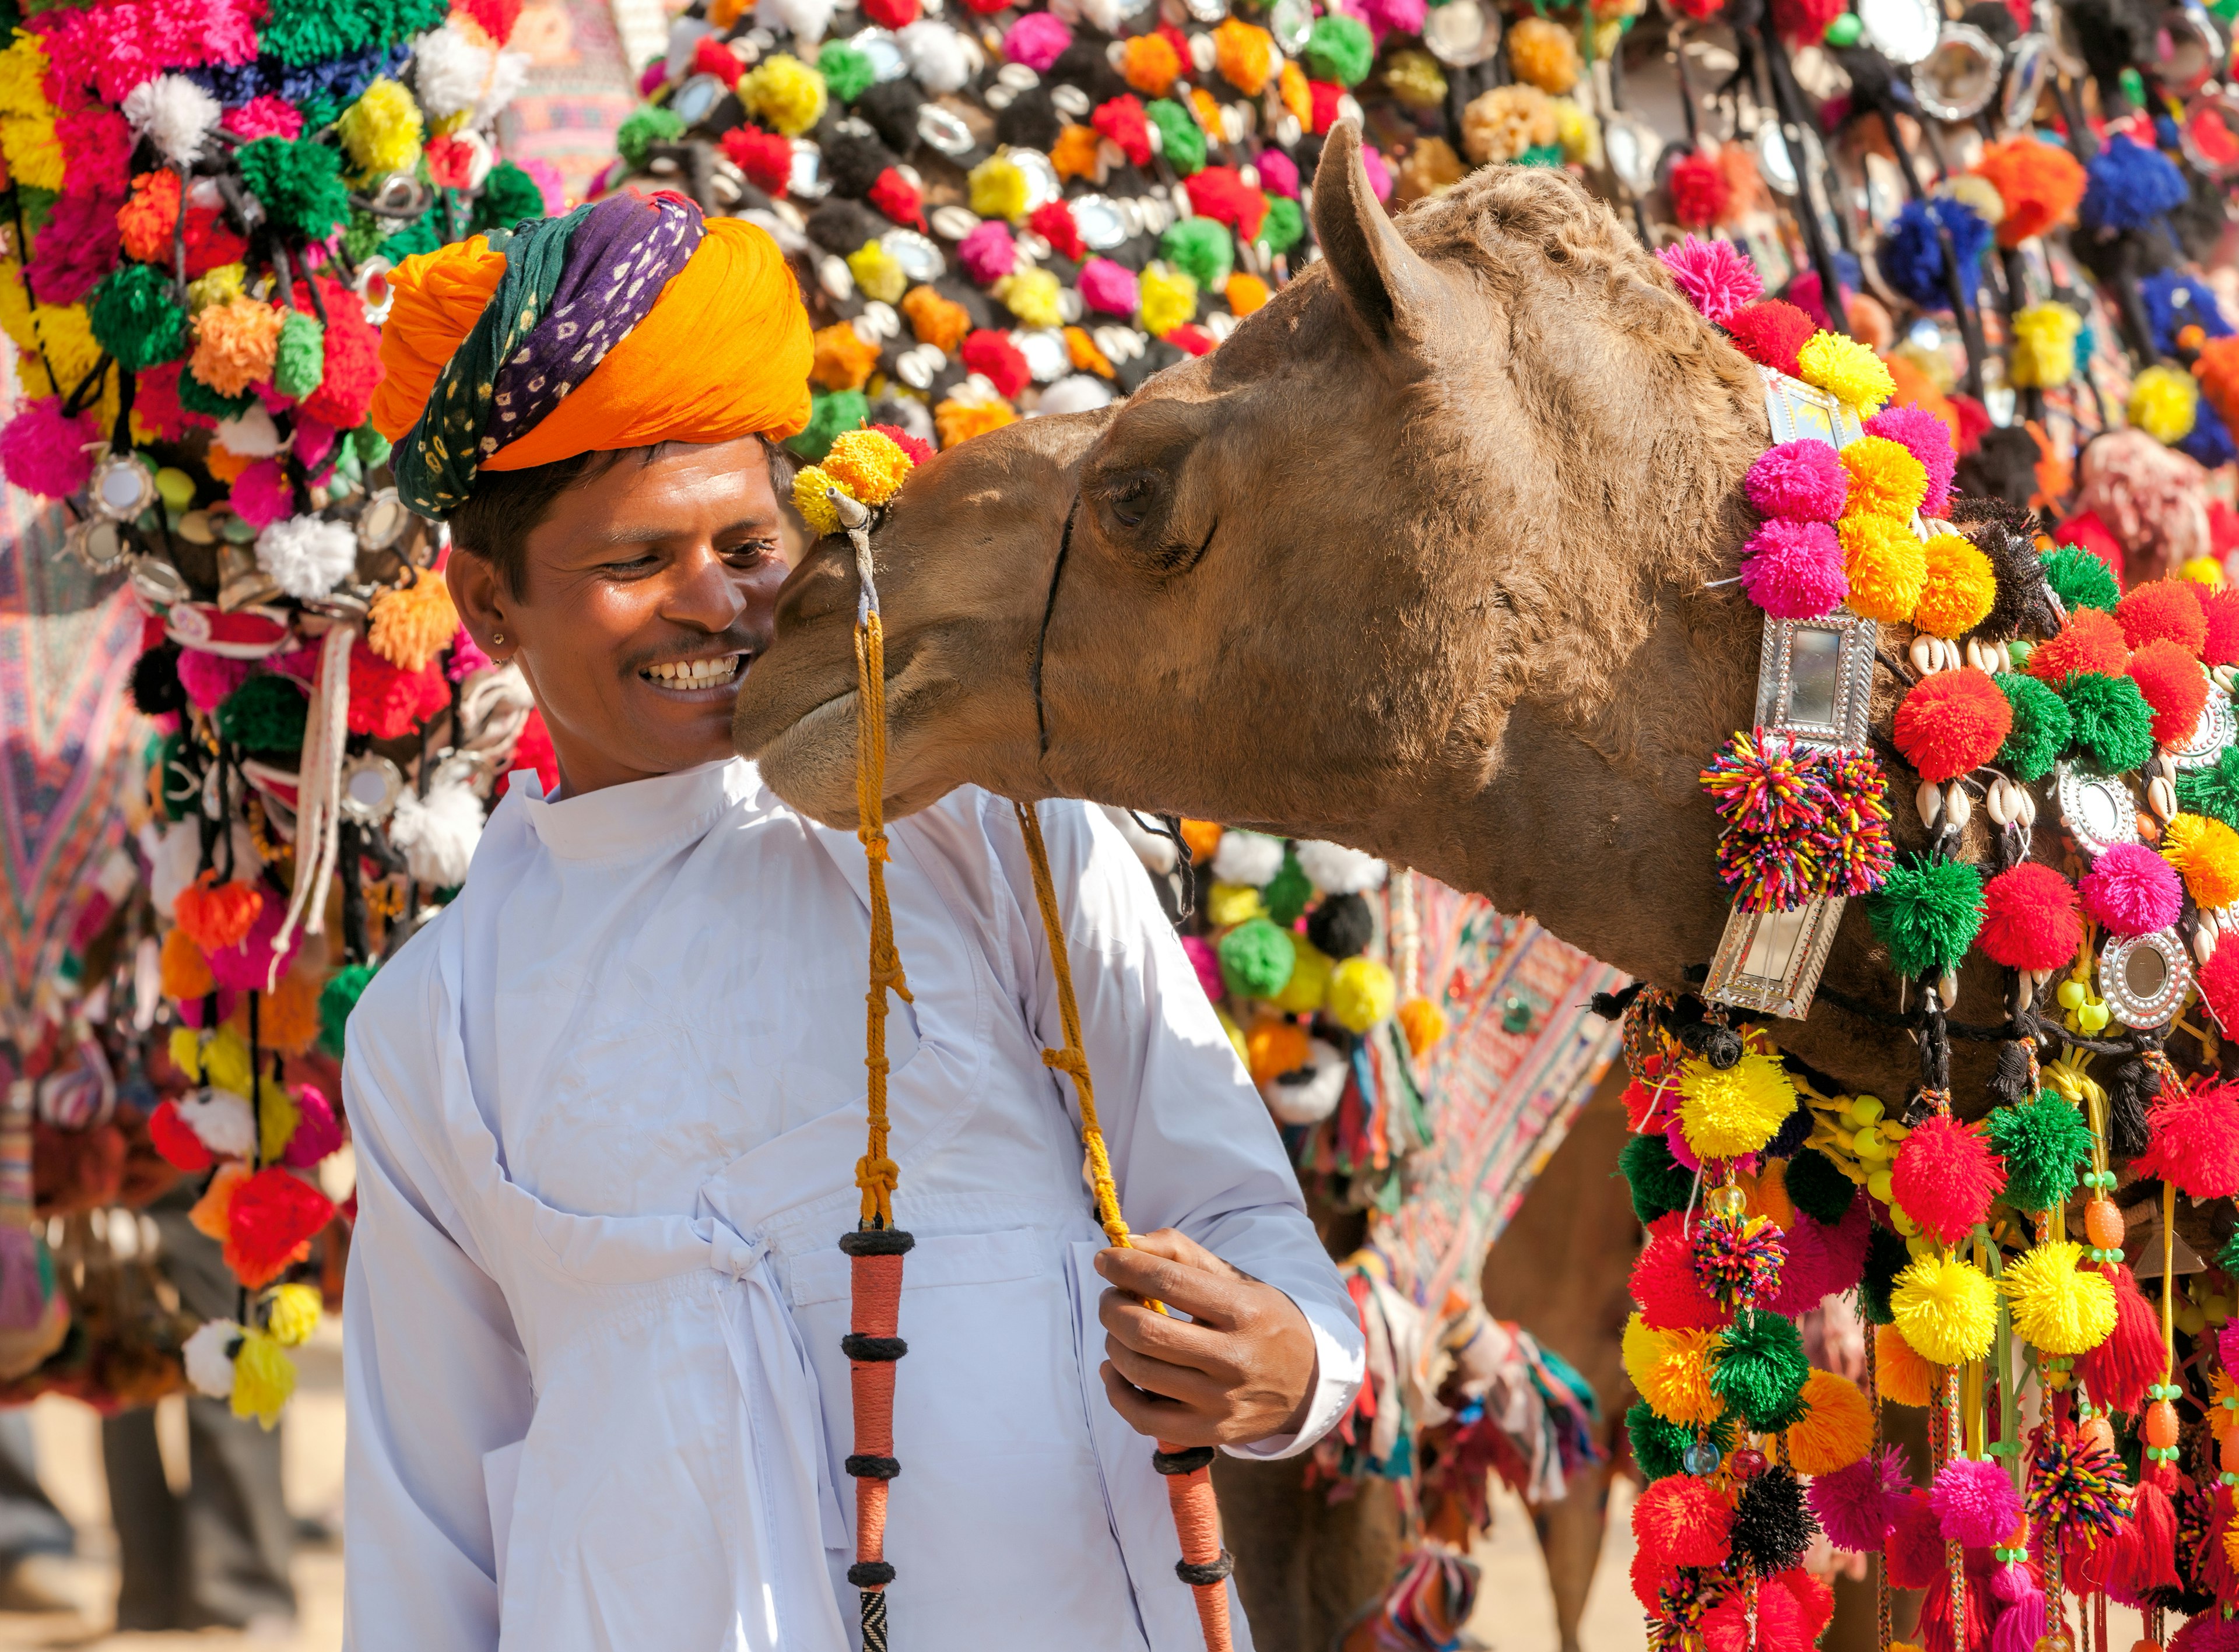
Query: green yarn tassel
<point x="643" y="128"/>
<point x="831" y="415"/>
<point x="300" y="184"/>
<point x="2213" y="790"/>
<point x="1340" y="49"/>
<point x="264" y="714"/>
<point x="1182" y="139"/>
<point x="337" y="999"/>
<point x="2079" y="579"/>
<point x="136" y="319"/>
<point x="2043" y="1141"/>
<point x="1759" y="1371"/>
<point x="1202" y="248"/>
<point x="1927" y="914"/>
<point x="848" y="73"/>
<point x="301" y="362"/>
<point x="2041" y="727"/>
<point x="509" y="196"/>
<point x="1660" y="1184"/>
<point x="2113" y="725"/>
<point x="1284" y="226"/>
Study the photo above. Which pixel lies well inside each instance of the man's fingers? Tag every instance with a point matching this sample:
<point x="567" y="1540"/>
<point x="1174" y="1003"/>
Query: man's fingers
<point x="1158" y="1419"/>
<point x="1163" y="1377"/>
<point x="1177" y="1246"/>
<point x="1201" y="1295"/>
<point x="1178" y="1342"/>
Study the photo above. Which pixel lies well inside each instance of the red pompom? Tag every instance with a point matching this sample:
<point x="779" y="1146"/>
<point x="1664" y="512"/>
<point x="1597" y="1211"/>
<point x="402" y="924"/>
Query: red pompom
<point x="1945" y="1175"/>
<point x="532" y="749"/>
<point x="765" y="157"/>
<point x="2192" y="1138"/>
<point x="2090" y="642"/>
<point x="1054" y="221"/>
<point x="1915" y="1548"/>
<point x="1191" y="337"/>
<point x="892" y="14"/>
<point x="1682" y="1520"/>
<point x="2032" y="919"/>
<point x="176" y="1140"/>
<point x="711" y="57"/>
<point x="271" y="1218"/>
<point x="1221" y="193"/>
<point x="388" y="703"/>
<point x="1770" y="333"/>
<point x="896" y="196"/>
<point x="2219" y="613"/>
<point x="352" y="365"/>
<point x="1650" y="1579"/>
<point x="918" y="452"/>
<point x="497" y="18"/>
<point x="2090" y="534"/>
<point x="1122" y="120"/>
<point x="1664" y="1282"/>
<point x="1952" y="722"/>
<point x="1777" y="1622"/>
<point x="2169" y="677"/>
<point x="1328" y="99"/>
<point x="992" y="355"/>
<point x="1974" y="421"/>
<point x="1815" y="1599"/>
<point x="2149" y="1541"/>
<point x="2167" y="610"/>
<point x="2218" y="981"/>
<point x="1805" y="21"/>
<point x="2121" y="1367"/>
<point x="1701" y="192"/>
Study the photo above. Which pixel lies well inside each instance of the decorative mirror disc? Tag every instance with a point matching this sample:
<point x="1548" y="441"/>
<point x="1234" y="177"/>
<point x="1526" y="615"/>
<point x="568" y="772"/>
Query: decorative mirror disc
<point x="2217" y="728"/>
<point x="371" y="785"/>
<point x="1904" y="31"/>
<point x="2097" y="810"/>
<point x="382" y="522"/>
<point x="1462" y="33"/>
<point x="2029" y="70"/>
<point x="2144" y="980"/>
<point x="1100" y="224"/>
<point x="1957" y="80"/>
<point x="1773" y="159"/>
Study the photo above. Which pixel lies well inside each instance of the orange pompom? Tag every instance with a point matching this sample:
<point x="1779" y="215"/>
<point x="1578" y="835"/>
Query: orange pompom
<point x="1151" y="65"/>
<point x="211" y="1215"/>
<point x="1203" y="838"/>
<point x="2173" y="686"/>
<point x="2041" y="185"/>
<point x="409" y="627"/>
<point x="215" y="915"/>
<point x="844" y="358"/>
<point x="2090" y="642"/>
<point x="2217" y="369"/>
<point x="1424" y="1023"/>
<point x="1275" y="1046"/>
<point x="938" y="321"/>
<point x="1901" y="1375"/>
<point x="185" y="972"/>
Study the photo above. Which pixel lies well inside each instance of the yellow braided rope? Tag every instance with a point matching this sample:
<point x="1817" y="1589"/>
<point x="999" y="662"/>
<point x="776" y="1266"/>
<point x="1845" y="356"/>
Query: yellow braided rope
<point x="875" y="1173"/>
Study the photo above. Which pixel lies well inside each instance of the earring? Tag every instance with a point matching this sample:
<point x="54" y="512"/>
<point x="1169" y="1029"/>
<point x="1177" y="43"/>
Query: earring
<point x="497" y="639"/>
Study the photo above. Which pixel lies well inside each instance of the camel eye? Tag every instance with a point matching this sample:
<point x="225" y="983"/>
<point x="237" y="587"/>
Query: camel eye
<point x="1130" y="501"/>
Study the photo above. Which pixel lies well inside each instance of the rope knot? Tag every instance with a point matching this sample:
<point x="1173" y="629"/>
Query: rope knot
<point x="877" y="1172"/>
<point x="1073" y="1061"/>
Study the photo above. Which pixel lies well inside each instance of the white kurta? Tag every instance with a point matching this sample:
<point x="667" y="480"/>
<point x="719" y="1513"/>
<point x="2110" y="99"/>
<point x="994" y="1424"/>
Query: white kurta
<point x="606" y="1111"/>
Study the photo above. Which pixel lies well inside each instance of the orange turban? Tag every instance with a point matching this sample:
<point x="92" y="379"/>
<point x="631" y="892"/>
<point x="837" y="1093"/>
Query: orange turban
<point x="724" y="352"/>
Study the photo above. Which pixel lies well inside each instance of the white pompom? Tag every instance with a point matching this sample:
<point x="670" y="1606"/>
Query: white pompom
<point x="174" y="115"/>
<point x="506" y="78"/>
<point x="1312" y="1094"/>
<point x="448" y="71"/>
<point x="437" y="834"/>
<point x="942" y="59"/>
<point x="209" y="1359"/>
<point x="251" y="435"/>
<point x="175" y="855"/>
<point x="1154" y="851"/>
<point x="1247" y="857"/>
<point x="1077" y="393"/>
<point x="1106" y="15"/>
<point x="1336" y="870"/>
<point x="221" y="1121"/>
<point x="307" y="555"/>
<point x="805" y="20"/>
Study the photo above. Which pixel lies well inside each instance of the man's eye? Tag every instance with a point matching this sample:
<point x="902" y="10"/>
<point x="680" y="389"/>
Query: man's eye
<point x="634" y="565"/>
<point x="752" y="552"/>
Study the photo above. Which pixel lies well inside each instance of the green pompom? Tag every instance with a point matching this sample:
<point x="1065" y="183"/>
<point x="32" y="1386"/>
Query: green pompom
<point x="1660" y="1184"/>
<point x="1283" y="226"/>
<point x="372" y="447"/>
<point x="364" y="234"/>
<point x="197" y="397"/>
<point x="2043" y="1141"/>
<point x="301" y="362"/>
<point x="136" y="319"/>
<point x="1540" y="155"/>
<point x="1256" y="959"/>
<point x="264" y="714"/>
<point x="1759" y="1371"/>
<point x="300" y="184"/>
<point x="643" y="128"/>
<point x="1926" y="914"/>
<point x="1886" y="1257"/>
<point x="424" y="234"/>
<point x="2214" y="789"/>
<point x="1288" y="892"/>
<point x="337" y="999"/>
<point x="2228" y="1258"/>
<point x="1182" y="138"/>
<point x="1340" y="49"/>
<point x="1201" y="249"/>
<point x="831" y="414"/>
<point x="2079" y="579"/>
<point x="848" y="73"/>
<point x="509" y="196"/>
<point x="2042" y="729"/>
<point x="302" y="33"/>
<point x="1660" y="1446"/>
<point x="1817" y="1188"/>
<point x="2113" y="725"/>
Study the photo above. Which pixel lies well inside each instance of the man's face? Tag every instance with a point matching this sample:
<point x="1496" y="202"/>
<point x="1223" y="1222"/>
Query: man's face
<point x="647" y="593"/>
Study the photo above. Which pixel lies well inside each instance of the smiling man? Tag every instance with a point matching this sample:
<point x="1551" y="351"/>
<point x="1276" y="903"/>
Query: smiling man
<point x="608" y="1106"/>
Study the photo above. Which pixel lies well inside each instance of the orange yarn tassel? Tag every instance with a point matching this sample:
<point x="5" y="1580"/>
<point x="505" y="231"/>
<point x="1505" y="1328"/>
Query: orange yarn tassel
<point x="215" y="915"/>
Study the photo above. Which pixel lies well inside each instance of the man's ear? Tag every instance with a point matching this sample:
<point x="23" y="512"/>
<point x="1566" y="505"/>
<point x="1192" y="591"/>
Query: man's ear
<point x="481" y="598"/>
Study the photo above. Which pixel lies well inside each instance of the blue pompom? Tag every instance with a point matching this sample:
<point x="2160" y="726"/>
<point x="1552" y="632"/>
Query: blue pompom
<point x="2175" y="301"/>
<point x="2165" y="133"/>
<point x="1912" y="253"/>
<point x="2210" y="440"/>
<point x="2130" y="186"/>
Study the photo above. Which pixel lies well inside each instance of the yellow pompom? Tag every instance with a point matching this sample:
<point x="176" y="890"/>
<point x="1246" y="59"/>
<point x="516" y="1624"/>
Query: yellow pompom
<point x="1885" y="479"/>
<point x="1836" y="1431"/>
<point x="219" y="286"/>
<point x="1235" y="1034"/>
<point x="959" y="419"/>
<point x="1245" y="54"/>
<point x="263" y="1377"/>
<point x="810" y="485"/>
<point x="185" y="975"/>
<point x="1727" y="1112"/>
<point x="409" y="627"/>
<point x="1901" y="1375"/>
<point x="1579" y="133"/>
<point x="1415" y="79"/>
<point x="1168" y="300"/>
<point x="381" y="130"/>
<point x="2058" y="1309"/>
<point x="1960" y="587"/>
<point x="2165" y="401"/>
<point x="292" y="1314"/>
<point x="276" y="1120"/>
<point x="1308" y="986"/>
<point x="1361" y="993"/>
<point x="1424" y="1023"/>
<point x="999" y="189"/>
<point x="1033" y="297"/>
<point x="1946" y="1309"/>
<point x="1642" y="1350"/>
<point x="1846" y="370"/>
<point x="2043" y="354"/>
<point x="784" y="93"/>
<point x="27" y="119"/>
<point x="225" y="1062"/>
<point x="1229" y="905"/>
<point x="1671" y="1369"/>
<point x="877" y="273"/>
<point x="2204" y="570"/>
<point x="1543" y="54"/>
<point x="868" y="464"/>
<point x="186" y="1048"/>
<point x="2206" y="852"/>
<point x="1888" y="567"/>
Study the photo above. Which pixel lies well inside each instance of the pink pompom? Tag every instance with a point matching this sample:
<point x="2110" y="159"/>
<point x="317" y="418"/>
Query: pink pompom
<point x="652" y="78"/>
<point x="2192" y="1141"/>
<point x="988" y="254"/>
<point x="1389" y="17"/>
<point x="318" y="1132"/>
<point x="264" y="115"/>
<point x="315" y="439"/>
<point x="466" y="658"/>
<point x="2208" y="1632"/>
<point x="1206" y="963"/>
<point x="261" y="495"/>
<point x="1379" y="176"/>
<point x="1037" y="40"/>
<point x="2021" y="1625"/>
<point x="1801" y="481"/>
<point x="79" y="245"/>
<point x="209" y="678"/>
<point x="1664" y="1283"/>
<point x="1279" y="173"/>
<point x="1858" y="1506"/>
<point x="43" y="452"/>
<point x="2132" y="891"/>
<point x="1945" y="1175"/>
<point x="1927" y="439"/>
<point x="1717" y="278"/>
<point x="251" y="965"/>
<point x="1794" y="570"/>
<point x="2030" y="920"/>
<point x="550" y="184"/>
<point x="2219" y="985"/>
<point x="1975" y="1504"/>
<point x="1108" y="287"/>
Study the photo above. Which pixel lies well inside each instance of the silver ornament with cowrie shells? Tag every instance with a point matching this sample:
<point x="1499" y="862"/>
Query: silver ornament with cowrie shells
<point x="121" y="487"/>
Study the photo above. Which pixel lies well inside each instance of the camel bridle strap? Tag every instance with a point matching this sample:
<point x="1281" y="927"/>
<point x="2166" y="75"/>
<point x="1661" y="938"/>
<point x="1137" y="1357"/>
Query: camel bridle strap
<point x="1205" y="1565"/>
<point x="1041" y="637"/>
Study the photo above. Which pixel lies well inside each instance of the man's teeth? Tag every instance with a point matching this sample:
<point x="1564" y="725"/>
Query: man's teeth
<point x="695" y="673"/>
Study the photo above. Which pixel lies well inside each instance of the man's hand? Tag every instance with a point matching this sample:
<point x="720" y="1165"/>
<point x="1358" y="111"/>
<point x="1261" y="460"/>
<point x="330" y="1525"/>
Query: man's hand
<point x="1241" y="1368"/>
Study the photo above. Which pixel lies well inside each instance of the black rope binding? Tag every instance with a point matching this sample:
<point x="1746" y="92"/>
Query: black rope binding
<point x="1213" y="1571"/>
<point x="1189" y="1462"/>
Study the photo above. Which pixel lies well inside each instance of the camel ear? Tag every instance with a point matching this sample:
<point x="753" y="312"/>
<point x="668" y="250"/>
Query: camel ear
<point x="1391" y="292"/>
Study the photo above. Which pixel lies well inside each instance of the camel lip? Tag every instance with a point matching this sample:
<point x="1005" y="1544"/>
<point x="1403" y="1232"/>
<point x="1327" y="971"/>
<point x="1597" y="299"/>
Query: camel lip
<point x="810" y="722"/>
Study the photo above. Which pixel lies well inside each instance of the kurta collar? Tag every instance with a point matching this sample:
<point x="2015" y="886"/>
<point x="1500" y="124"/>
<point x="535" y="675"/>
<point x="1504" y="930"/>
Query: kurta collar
<point x="640" y="818"/>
